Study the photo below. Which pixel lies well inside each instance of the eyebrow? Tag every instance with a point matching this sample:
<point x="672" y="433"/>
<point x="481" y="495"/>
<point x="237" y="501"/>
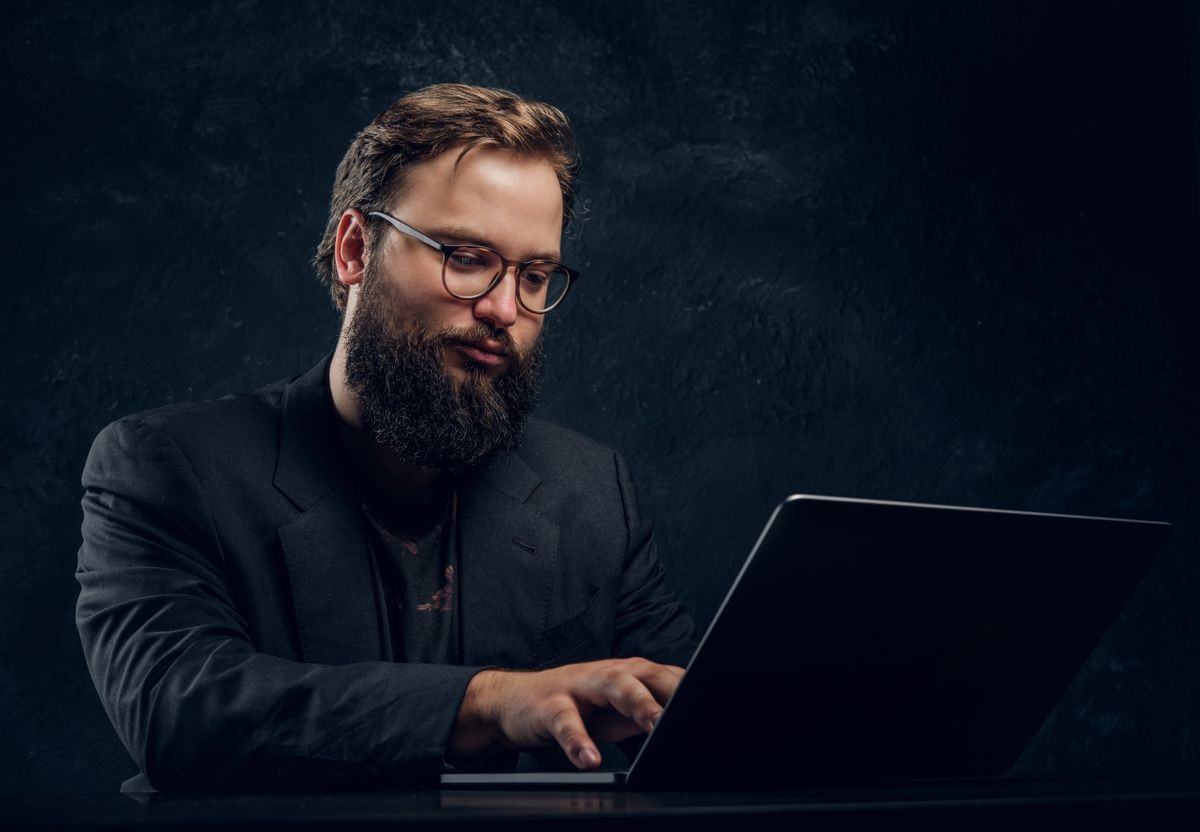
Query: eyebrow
<point x="466" y="236"/>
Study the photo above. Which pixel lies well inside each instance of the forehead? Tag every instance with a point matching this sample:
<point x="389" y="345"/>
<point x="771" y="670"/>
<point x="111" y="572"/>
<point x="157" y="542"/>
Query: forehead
<point x="514" y="199"/>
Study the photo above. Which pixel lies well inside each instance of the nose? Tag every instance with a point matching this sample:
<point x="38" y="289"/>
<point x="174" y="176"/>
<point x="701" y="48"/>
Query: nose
<point x="499" y="306"/>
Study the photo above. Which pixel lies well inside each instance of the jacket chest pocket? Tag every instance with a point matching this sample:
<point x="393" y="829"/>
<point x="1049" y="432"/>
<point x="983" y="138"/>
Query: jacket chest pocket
<point x="583" y="637"/>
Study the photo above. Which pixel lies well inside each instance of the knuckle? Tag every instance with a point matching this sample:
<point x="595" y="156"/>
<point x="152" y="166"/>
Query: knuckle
<point x="561" y="716"/>
<point x="629" y="688"/>
<point x="614" y="675"/>
<point x="558" y="707"/>
<point x="571" y="741"/>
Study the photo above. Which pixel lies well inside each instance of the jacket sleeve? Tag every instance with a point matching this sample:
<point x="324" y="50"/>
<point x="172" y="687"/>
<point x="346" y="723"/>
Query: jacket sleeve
<point x="651" y="622"/>
<point x="196" y="705"/>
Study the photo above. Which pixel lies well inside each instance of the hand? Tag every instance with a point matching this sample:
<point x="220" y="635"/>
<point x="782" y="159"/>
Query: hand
<point x="576" y="706"/>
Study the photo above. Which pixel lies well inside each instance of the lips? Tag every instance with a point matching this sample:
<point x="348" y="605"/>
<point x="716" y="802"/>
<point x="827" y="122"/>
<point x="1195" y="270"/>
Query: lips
<point x="487" y="353"/>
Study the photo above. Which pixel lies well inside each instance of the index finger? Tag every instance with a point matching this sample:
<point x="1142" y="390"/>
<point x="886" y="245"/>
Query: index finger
<point x="567" y="728"/>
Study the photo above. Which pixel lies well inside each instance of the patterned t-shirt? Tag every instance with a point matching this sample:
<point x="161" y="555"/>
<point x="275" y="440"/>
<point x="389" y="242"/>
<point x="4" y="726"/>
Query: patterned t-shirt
<point x="418" y="557"/>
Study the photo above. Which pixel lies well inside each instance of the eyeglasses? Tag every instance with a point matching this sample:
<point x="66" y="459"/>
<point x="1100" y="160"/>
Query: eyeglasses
<point x="469" y="272"/>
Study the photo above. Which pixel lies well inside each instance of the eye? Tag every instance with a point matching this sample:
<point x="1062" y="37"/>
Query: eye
<point x="464" y="259"/>
<point x="535" y="279"/>
<point x="467" y="260"/>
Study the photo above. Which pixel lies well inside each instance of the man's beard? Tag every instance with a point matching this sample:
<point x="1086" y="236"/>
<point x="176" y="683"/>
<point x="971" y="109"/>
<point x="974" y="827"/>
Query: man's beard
<point x="413" y="406"/>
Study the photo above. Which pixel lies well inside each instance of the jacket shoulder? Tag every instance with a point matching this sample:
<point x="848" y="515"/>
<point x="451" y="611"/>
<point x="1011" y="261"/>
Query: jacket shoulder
<point x="542" y="439"/>
<point x="202" y="429"/>
<point x="571" y="462"/>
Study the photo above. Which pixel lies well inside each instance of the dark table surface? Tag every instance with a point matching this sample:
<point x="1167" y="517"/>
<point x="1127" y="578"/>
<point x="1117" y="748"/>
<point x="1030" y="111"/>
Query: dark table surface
<point x="1169" y="801"/>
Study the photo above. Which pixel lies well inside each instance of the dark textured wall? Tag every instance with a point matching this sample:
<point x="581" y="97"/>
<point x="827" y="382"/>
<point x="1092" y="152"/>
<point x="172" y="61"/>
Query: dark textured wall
<point x="933" y="251"/>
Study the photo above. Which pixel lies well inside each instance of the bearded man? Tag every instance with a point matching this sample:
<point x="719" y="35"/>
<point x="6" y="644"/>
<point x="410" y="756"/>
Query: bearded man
<point x="382" y="568"/>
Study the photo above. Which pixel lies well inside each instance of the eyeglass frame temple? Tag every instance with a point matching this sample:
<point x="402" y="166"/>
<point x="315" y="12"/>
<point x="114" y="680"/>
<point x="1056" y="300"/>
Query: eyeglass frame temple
<point x="405" y="228"/>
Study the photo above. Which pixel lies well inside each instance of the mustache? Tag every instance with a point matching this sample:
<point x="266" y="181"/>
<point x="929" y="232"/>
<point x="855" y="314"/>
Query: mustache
<point x="471" y="334"/>
<point x="450" y="335"/>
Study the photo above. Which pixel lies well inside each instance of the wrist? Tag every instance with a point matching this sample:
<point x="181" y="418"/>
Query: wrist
<point x="476" y="729"/>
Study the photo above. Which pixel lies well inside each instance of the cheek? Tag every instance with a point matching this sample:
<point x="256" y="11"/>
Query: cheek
<point x="430" y="305"/>
<point x="526" y="331"/>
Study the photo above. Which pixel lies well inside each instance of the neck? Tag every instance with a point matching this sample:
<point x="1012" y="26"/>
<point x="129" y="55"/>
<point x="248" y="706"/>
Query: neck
<point x="409" y="485"/>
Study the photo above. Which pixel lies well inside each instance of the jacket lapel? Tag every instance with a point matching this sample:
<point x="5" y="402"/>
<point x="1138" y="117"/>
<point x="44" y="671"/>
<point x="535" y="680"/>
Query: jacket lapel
<point x="508" y="557"/>
<point x="508" y="552"/>
<point x="328" y="559"/>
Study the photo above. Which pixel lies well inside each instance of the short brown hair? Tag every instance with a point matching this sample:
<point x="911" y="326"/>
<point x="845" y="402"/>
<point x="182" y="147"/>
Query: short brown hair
<point x="427" y="122"/>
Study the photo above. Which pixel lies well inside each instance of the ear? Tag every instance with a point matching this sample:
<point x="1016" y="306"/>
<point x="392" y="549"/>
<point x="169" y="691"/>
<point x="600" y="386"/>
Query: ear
<point x="350" y="248"/>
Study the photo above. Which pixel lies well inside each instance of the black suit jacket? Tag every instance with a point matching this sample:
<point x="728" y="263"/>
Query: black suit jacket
<point x="232" y="616"/>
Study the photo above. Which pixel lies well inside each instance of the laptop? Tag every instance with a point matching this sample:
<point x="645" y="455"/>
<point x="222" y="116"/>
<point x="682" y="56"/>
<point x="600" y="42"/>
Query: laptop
<point x="868" y="641"/>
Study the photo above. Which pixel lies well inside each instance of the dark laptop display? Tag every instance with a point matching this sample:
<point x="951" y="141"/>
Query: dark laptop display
<point x="867" y="640"/>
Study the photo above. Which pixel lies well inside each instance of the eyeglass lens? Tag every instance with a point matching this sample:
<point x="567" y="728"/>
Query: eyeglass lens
<point x="469" y="272"/>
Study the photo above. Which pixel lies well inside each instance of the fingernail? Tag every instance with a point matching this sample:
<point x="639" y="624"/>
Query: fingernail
<point x="589" y="757"/>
